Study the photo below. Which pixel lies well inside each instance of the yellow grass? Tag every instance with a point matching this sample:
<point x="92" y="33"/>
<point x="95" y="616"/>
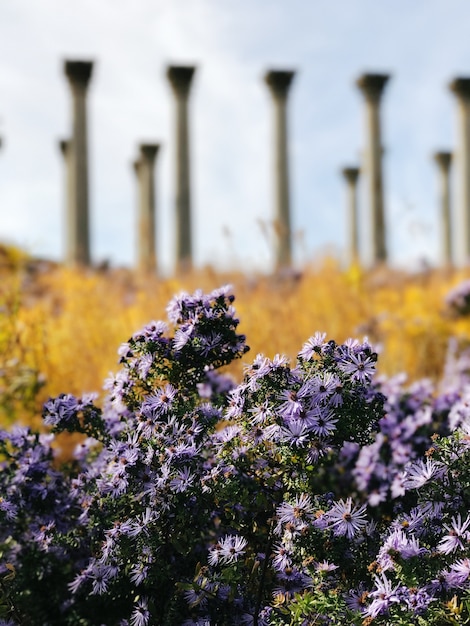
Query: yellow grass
<point x="67" y="325"/>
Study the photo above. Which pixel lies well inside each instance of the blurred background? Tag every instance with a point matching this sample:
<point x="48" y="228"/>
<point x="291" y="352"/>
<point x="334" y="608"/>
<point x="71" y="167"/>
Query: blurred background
<point x="423" y="45"/>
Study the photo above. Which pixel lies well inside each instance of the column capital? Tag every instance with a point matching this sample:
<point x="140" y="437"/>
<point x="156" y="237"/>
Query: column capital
<point x="460" y="86"/>
<point x="148" y="151"/>
<point x="351" y="174"/>
<point x="443" y="159"/>
<point x="279" y="81"/>
<point x="78" y="72"/>
<point x="372" y="85"/>
<point x="180" y="77"/>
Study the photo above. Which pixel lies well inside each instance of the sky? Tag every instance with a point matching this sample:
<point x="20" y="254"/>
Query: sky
<point x="422" y="44"/>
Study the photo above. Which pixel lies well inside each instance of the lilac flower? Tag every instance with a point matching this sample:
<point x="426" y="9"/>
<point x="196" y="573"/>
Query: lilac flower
<point x="322" y="386"/>
<point x="460" y="411"/>
<point x="152" y="331"/>
<point x="159" y="403"/>
<point x="182" y="481"/>
<point x="291" y="404"/>
<point x="282" y="556"/>
<point x="313" y="346"/>
<point x="140" y="614"/>
<point x="144" y="364"/>
<point x="100" y="576"/>
<point x="325" y="566"/>
<point x="420" y="472"/>
<point x="459" y="573"/>
<point x="359" y="366"/>
<point x="417" y="599"/>
<point x="458" y="536"/>
<point x="383" y="596"/>
<point x="356" y="599"/>
<point x="344" y="519"/>
<point x="228" y="550"/>
<point x="295" y="433"/>
<point x="323" y="422"/>
<point x="398" y="543"/>
<point x="297" y="515"/>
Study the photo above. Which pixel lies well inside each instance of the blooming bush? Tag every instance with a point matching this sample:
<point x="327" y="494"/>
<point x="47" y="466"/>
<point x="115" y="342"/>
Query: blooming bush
<point x="310" y="493"/>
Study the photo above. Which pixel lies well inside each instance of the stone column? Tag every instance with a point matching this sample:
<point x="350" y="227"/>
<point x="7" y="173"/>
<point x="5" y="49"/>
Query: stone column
<point x="65" y="147"/>
<point x="461" y="88"/>
<point x="279" y="83"/>
<point x="372" y="86"/>
<point x="351" y="175"/>
<point x="444" y="160"/>
<point x="180" y="78"/>
<point x="144" y="168"/>
<point x="78" y="74"/>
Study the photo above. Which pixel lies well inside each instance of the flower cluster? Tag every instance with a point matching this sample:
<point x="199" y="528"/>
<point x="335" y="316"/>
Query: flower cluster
<point x="309" y="493"/>
<point x="457" y="299"/>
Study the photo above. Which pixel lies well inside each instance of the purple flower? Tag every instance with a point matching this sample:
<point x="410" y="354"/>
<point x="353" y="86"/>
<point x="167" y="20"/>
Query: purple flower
<point x="458" y="536"/>
<point x="383" y="596"/>
<point x="141" y="614"/>
<point x="295" y="433"/>
<point x="297" y="515"/>
<point x="420" y="472"/>
<point x="182" y="481"/>
<point x="228" y="550"/>
<point x="458" y="574"/>
<point x="359" y="366"/>
<point x="345" y="519"/>
<point x="313" y="346"/>
<point x="159" y="403"/>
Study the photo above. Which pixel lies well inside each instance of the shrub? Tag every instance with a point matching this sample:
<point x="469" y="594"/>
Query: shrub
<point x="312" y="493"/>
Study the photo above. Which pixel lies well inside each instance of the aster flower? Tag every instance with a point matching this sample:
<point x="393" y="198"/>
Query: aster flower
<point x="323" y="422"/>
<point x="227" y="550"/>
<point x="141" y="614"/>
<point x="359" y="366"/>
<point x="291" y="404"/>
<point x="296" y="433"/>
<point x="384" y="595"/>
<point x="345" y="519"/>
<point x="298" y="515"/>
<point x="182" y="481"/>
<point x="282" y="556"/>
<point x="458" y="574"/>
<point x="323" y="385"/>
<point x="458" y="536"/>
<point x="420" y="472"/>
<point x="312" y="346"/>
<point x="159" y="403"/>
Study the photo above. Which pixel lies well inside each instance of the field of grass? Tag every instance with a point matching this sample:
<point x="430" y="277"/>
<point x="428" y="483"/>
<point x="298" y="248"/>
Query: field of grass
<point x="60" y="329"/>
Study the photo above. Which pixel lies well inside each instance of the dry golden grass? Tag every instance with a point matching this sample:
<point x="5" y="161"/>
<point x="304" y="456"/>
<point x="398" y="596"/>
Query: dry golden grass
<point x="68" y="324"/>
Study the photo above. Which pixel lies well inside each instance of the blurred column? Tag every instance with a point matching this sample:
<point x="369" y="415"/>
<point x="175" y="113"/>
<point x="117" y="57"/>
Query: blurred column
<point x="461" y="88"/>
<point x="144" y="168"/>
<point x="372" y="86"/>
<point x="65" y="147"/>
<point x="78" y="74"/>
<point x="444" y="160"/>
<point x="351" y="176"/>
<point x="180" y="78"/>
<point x="279" y="83"/>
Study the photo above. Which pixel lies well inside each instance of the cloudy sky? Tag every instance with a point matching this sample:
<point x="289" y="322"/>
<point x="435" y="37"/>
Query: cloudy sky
<point x="423" y="45"/>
